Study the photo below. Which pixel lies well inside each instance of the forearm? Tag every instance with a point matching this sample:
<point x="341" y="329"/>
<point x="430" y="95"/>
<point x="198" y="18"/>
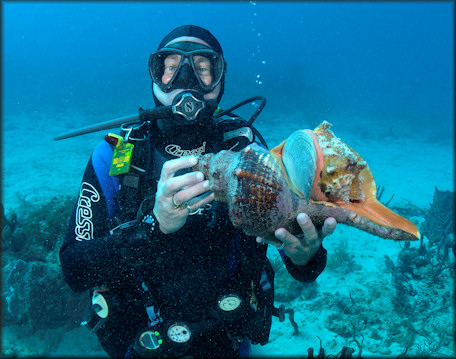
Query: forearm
<point x="93" y="263"/>
<point x="112" y="258"/>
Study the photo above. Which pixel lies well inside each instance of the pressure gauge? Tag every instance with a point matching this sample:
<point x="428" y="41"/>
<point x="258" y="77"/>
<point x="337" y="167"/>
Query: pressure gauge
<point x="100" y="305"/>
<point x="179" y="333"/>
<point x="150" y="340"/>
<point x="229" y="302"/>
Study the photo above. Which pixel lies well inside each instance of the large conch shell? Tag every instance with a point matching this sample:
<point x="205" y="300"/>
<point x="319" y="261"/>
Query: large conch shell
<point x="312" y="172"/>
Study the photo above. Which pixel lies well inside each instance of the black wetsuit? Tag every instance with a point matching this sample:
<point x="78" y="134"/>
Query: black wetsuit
<point x="184" y="272"/>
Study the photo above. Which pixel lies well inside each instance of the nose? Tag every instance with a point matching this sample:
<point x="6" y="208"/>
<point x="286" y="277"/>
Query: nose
<point x="186" y="78"/>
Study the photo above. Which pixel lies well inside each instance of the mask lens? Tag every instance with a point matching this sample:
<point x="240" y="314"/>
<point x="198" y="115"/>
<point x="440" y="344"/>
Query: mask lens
<point x="208" y="66"/>
<point x="164" y="66"/>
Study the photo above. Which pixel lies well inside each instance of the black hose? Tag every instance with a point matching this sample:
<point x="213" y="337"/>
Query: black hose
<point x="258" y="134"/>
<point x="252" y="118"/>
<point x="242" y="103"/>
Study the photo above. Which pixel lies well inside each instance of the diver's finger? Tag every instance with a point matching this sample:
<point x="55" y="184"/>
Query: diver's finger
<point x="286" y="238"/>
<point x="172" y="166"/>
<point x="328" y="226"/>
<point x="308" y="228"/>
<point x="175" y="185"/>
<point x="200" y="201"/>
<point x="273" y="241"/>
<point x="193" y="193"/>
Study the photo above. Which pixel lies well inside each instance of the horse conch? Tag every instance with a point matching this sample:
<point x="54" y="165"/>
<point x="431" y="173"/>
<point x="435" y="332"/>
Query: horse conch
<point x="312" y="172"/>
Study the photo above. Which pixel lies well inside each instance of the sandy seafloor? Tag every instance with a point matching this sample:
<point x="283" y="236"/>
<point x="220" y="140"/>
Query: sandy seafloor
<point x="36" y="168"/>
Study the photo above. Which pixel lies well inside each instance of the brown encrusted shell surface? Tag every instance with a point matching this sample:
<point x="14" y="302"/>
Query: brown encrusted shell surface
<point x="253" y="185"/>
<point x="342" y="166"/>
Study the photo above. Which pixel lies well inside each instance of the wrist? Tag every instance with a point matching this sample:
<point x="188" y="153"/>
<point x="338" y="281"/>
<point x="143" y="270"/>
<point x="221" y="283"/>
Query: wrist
<point x="165" y="226"/>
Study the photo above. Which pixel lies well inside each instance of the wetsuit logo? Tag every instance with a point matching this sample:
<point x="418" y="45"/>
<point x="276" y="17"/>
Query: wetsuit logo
<point x="84" y="225"/>
<point x="177" y="150"/>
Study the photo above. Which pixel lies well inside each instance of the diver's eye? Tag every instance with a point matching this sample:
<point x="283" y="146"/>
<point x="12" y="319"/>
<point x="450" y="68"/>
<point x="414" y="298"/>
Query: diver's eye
<point x="203" y="71"/>
<point x="170" y="68"/>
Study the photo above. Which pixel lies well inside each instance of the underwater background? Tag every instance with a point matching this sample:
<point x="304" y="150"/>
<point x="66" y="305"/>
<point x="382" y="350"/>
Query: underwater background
<point x="381" y="72"/>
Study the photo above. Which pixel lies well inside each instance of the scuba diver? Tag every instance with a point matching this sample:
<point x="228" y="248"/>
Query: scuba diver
<point x="166" y="272"/>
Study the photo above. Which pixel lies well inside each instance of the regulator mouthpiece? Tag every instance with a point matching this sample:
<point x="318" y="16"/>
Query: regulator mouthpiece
<point x="187" y="108"/>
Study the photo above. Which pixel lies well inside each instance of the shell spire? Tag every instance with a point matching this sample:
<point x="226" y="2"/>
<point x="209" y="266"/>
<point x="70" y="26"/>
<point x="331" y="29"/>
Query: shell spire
<point x="341" y="176"/>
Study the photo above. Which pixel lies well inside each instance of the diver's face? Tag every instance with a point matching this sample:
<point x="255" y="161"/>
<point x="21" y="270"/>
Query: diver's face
<point x="201" y="63"/>
<point x="202" y="66"/>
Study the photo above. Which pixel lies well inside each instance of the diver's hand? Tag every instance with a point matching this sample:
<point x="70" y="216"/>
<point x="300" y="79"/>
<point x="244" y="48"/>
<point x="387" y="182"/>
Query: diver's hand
<point x="186" y="190"/>
<point x="300" y="249"/>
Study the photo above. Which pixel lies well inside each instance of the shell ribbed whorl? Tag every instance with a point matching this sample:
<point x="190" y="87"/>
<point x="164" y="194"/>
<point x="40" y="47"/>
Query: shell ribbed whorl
<point x="253" y="185"/>
<point x="260" y="197"/>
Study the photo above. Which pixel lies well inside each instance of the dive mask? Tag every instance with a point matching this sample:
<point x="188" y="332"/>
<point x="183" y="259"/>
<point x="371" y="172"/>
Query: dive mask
<point x="200" y="69"/>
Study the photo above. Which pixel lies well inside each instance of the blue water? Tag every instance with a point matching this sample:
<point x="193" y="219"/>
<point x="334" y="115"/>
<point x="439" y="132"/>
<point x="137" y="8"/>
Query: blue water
<point x="373" y="62"/>
<point x="380" y="69"/>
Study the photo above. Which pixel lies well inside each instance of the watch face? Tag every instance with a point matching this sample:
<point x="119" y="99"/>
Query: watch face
<point x="229" y="302"/>
<point x="179" y="333"/>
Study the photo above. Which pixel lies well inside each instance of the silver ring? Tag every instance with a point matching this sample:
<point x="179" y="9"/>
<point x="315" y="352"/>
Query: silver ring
<point x="188" y="207"/>
<point x="176" y="206"/>
<point x="191" y="212"/>
<point x="281" y="247"/>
